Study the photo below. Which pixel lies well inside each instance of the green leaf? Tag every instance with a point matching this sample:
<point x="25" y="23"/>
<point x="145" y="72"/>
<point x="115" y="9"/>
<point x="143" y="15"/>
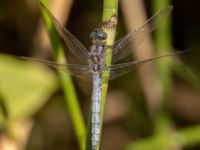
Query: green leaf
<point x="24" y="87"/>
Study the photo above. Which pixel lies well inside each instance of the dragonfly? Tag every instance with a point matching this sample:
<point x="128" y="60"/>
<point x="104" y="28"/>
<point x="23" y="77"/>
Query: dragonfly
<point x="92" y="62"/>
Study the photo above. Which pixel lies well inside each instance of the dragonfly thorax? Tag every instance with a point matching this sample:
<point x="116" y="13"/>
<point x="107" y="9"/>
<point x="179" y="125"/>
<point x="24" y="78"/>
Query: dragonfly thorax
<point x="97" y="58"/>
<point x="98" y="68"/>
<point x="97" y="52"/>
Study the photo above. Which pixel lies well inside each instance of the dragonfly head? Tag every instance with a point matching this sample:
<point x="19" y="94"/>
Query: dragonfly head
<point x="98" y="34"/>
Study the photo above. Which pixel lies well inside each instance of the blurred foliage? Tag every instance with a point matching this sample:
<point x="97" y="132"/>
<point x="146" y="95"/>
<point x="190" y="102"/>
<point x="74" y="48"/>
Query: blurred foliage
<point x="24" y="88"/>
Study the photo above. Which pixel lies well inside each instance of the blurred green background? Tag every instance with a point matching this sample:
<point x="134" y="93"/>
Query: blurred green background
<point x="33" y="112"/>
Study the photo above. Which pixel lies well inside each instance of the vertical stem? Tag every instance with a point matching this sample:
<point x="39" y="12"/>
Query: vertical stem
<point x="163" y="45"/>
<point x="110" y="12"/>
<point x="66" y="82"/>
<point x="163" y="37"/>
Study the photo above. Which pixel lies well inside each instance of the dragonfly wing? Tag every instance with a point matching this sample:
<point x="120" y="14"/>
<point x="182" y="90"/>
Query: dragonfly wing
<point x="80" y="71"/>
<point x="123" y="47"/>
<point x="74" y="45"/>
<point x="121" y="69"/>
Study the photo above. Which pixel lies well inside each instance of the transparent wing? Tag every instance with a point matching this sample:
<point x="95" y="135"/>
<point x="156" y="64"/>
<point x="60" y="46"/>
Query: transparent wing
<point x="80" y="71"/>
<point x="121" y="69"/>
<point x="123" y="47"/>
<point x="74" y="45"/>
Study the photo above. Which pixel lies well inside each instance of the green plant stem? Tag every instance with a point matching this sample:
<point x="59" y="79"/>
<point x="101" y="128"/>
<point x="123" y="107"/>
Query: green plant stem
<point x="163" y="37"/>
<point x="110" y="9"/>
<point x="71" y="99"/>
<point x="163" y="46"/>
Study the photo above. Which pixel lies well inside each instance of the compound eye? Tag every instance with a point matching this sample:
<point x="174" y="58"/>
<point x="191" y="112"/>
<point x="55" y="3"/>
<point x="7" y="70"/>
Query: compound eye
<point x="102" y="35"/>
<point x="93" y="34"/>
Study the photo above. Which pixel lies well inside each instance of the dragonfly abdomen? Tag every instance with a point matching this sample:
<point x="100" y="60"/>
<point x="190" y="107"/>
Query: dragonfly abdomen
<point x="96" y="110"/>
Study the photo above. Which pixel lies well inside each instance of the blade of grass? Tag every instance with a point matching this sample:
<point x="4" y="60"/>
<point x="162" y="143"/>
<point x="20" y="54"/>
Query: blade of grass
<point x="66" y="82"/>
<point x="163" y="44"/>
